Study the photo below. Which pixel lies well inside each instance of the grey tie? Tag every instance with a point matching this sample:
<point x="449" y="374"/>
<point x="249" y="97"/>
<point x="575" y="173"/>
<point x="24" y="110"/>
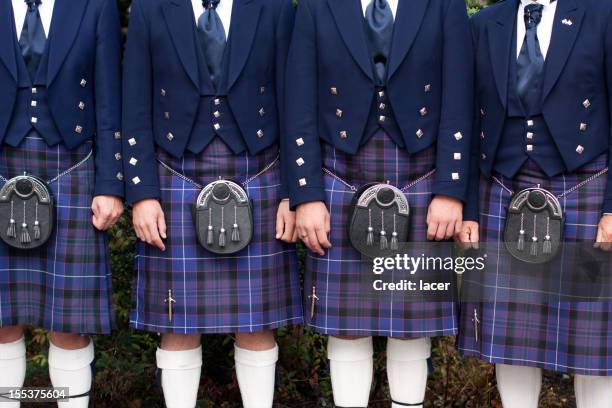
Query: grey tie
<point x="32" y="40"/>
<point x="212" y="38"/>
<point x="379" y="32"/>
<point x="530" y="63"/>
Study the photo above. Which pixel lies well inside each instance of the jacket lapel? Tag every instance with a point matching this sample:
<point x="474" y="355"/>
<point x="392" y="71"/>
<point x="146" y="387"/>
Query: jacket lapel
<point x="65" y="24"/>
<point x="180" y="20"/>
<point x="500" y="32"/>
<point x="568" y="20"/>
<point x="348" y="15"/>
<point x="7" y="51"/>
<point x="245" y="16"/>
<point x="407" y="23"/>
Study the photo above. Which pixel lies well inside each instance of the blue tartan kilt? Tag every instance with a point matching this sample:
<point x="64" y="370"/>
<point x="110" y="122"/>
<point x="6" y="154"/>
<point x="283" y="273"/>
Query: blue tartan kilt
<point x="341" y="308"/>
<point x="64" y="286"/>
<point x="564" y="336"/>
<point x="256" y="289"/>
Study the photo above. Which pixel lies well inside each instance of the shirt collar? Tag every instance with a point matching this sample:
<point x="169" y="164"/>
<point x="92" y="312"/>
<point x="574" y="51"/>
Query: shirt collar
<point x="545" y="3"/>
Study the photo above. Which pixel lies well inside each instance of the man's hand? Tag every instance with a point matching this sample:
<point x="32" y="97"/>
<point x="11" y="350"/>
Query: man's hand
<point x="313" y="226"/>
<point x="149" y="222"/>
<point x="444" y="218"/>
<point x="285" y="223"/>
<point x="604" y="234"/>
<point x="468" y="236"/>
<point x="106" y="211"/>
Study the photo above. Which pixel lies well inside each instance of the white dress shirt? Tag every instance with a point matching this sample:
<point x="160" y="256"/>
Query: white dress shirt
<point x="545" y="27"/>
<point x="224" y="9"/>
<point x="20" y="9"/>
<point x="392" y="4"/>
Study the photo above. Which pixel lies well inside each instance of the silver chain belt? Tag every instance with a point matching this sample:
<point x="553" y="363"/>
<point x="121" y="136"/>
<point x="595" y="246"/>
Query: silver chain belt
<point x="63" y="173"/>
<point x="353" y="188"/>
<point x="566" y="192"/>
<point x="200" y="186"/>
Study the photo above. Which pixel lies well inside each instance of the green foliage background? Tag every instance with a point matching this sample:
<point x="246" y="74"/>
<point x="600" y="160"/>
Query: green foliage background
<point x="126" y="359"/>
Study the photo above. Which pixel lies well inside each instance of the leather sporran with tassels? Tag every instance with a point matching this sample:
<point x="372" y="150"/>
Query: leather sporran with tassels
<point x="223" y="217"/>
<point x="26" y="212"/>
<point x="534" y="226"/>
<point x="379" y="220"/>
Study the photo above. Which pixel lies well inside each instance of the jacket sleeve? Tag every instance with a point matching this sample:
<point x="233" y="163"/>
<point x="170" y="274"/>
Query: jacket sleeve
<point x="283" y="39"/>
<point x="302" y="162"/>
<point x="109" y="167"/>
<point x="471" y="211"/>
<point x="455" y="130"/>
<point x="607" y="205"/>
<point x="139" y="157"/>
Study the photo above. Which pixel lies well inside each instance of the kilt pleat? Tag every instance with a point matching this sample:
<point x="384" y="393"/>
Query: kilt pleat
<point x="64" y="286"/>
<point x="564" y="336"/>
<point x="256" y="289"/>
<point x="340" y="309"/>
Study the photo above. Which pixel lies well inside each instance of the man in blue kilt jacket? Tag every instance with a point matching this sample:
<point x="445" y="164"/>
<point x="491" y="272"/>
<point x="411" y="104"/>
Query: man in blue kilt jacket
<point x="60" y="160"/>
<point x="378" y="91"/>
<point x="203" y="115"/>
<point x="543" y="103"/>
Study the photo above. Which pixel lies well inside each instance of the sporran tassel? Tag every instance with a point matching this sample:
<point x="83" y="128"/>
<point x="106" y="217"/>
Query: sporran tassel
<point x="520" y="245"/>
<point x="222" y="237"/>
<point x="534" y="246"/>
<point x="235" y="228"/>
<point x="36" y="230"/>
<point x="383" y="234"/>
<point x="25" y="234"/>
<point x="210" y="239"/>
<point x="547" y="247"/>
<point x="383" y="240"/>
<point x="370" y="236"/>
<point x="36" y="225"/>
<point x="534" y="239"/>
<point x="394" y="245"/>
<point x="235" y="233"/>
<point x="222" y="231"/>
<point x="12" y="230"/>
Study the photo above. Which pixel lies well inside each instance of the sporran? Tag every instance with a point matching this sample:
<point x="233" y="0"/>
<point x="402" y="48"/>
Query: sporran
<point x="26" y="212"/>
<point x="534" y="226"/>
<point x="223" y="217"/>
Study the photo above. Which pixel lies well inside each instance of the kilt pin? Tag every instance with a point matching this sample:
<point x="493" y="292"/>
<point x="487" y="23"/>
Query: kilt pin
<point x="65" y="285"/>
<point x="335" y="278"/>
<point x="570" y="337"/>
<point x="253" y="290"/>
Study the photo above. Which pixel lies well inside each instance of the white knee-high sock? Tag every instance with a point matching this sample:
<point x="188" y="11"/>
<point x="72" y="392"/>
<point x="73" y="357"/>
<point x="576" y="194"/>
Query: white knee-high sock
<point x="72" y="369"/>
<point x="256" y="372"/>
<point x="592" y="391"/>
<point x="351" y="366"/>
<point x="407" y="371"/>
<point x="180" y="376"/>
<point x="12" y="368"/>
<point x="518" y="386"/>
